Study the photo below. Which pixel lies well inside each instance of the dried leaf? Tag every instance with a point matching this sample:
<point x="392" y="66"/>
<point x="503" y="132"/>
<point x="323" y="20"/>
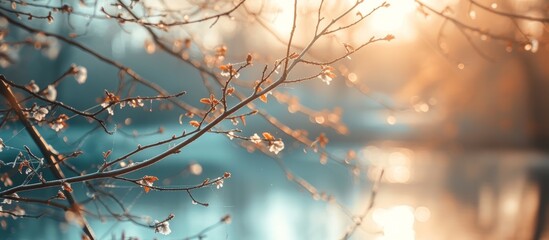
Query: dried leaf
<point x="268" y="136"/>
<point x="147" y="181"/>
<point x="263" y="98"/>
<point x="225" y="68"/>
<point x="194" y="123"/>
<point x="150" y="179"/>
<point x="230" y="91"/>
<point x="206" y="101"/>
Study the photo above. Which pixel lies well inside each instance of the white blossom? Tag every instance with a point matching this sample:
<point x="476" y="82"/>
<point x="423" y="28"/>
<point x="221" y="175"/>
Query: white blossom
<point x="81" y="74"/>
<point x="234" y="121"/>
<point x="276" y="146"/>
<point x="59" y="123"/>
<point x="52" y="48"/>
<point x="11" y="54"/>
<point x="255" y="138"/>
<point x="136" y="103"/>
<point x="18" y="212"/>
<point x="145" y="183"/>
<point x="33" y="87"/>
<point x="162" y="227"/>
<point x="325" y="78"/>
<point x="2" y="145"/>
<point x="109" y="109"/>
<point x="40" y="113"/>
<point x="228" y="70"/>
<point x="327" y="75"/>
<point x="219" y="184"/>
<point x="57" y="126"/>
<point x="51" y="93"/>
<point x="9" y="201"/>
<point x="3" y="214"/>
<point x="230" y="135"/>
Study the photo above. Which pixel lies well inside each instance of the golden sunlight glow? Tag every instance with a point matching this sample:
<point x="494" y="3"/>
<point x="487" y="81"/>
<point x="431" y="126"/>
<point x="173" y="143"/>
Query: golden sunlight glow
<point x="396" y="222"/>
<point x="396" y="162"/>
<point x="398" y="168"/>
<point x="282" y="18"/>
<point x="422" y="214"/>
<point x="391" y="120"/>
<point x="396" y="19"/>
<point x="392" y="20"/>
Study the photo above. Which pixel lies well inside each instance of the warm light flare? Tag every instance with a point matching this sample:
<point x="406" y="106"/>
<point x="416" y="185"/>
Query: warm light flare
<point x="393" y="20"/>
<point x="396" y="222"/>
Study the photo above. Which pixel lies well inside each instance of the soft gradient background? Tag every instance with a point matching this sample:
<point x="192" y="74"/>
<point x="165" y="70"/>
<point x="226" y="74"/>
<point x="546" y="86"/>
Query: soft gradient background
<point x="463" y="139"/>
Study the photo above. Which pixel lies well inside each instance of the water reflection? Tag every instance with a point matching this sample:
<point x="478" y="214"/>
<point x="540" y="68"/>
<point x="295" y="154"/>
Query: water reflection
<point x="433" y="194"/>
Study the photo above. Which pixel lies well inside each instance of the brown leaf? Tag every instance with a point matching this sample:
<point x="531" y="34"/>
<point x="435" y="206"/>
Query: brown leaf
<point x="147" y="181"/>
<point x="206" y="101"/>
<point x="230" y="91"/>
<point x="226" y="68"/>
<point x="194" y="123"/>
<point x="150" y="179"/>
<point x="263" y="98"/>
<point x="268" y="136"/>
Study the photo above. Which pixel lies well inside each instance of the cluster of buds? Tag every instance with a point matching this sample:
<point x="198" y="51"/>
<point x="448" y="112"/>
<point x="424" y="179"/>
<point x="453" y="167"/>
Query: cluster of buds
<point x="275" y="145"/>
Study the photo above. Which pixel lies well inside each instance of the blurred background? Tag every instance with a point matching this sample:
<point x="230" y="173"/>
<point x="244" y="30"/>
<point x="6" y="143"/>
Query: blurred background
<point x="458" y="121"/>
